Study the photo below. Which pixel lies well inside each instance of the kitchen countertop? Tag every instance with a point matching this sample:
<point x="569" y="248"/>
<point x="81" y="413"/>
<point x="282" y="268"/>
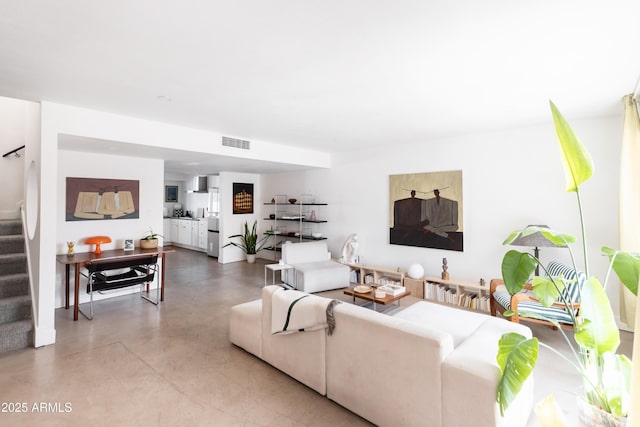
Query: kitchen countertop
<point x="183" y="217"/>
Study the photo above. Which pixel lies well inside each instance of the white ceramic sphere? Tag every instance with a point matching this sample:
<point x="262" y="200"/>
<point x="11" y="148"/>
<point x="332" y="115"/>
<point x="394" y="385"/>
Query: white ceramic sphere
<point x="415" y="271"/>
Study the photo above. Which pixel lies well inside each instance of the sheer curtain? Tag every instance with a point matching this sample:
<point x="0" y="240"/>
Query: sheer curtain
<point x="629" y="212"/>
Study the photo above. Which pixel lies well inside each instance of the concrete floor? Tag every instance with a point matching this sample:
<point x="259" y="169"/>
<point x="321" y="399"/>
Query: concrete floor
<point x="137" y="364"/>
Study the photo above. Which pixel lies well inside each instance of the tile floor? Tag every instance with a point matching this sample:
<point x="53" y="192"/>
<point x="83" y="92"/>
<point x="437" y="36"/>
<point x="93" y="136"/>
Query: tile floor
<point x="136" y="364"/>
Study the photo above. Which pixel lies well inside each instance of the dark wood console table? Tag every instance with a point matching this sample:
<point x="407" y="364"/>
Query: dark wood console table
<point x="79" y="259"/>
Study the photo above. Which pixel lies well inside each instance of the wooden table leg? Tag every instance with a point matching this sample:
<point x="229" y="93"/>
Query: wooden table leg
<point x="66" y="286"/>
<point x="77" y="291"/>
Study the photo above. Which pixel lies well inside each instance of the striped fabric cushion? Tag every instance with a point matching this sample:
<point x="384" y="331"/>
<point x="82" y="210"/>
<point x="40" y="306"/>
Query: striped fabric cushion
<point x="573" y="282"/>
<point x="503" y="298"/>
<point x="557" y="313"/>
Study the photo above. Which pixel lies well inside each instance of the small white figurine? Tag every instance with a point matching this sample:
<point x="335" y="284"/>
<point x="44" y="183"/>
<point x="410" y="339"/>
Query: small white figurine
<point x="350" y="249"/>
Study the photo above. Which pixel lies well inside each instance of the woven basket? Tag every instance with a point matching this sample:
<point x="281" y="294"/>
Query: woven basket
<point x="148" y="244"/>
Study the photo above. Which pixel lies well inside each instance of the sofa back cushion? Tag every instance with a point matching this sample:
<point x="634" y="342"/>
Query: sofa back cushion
<point x="460" y="324"/>
<point x="296" y="253"/>
<point x="386" y="369"/>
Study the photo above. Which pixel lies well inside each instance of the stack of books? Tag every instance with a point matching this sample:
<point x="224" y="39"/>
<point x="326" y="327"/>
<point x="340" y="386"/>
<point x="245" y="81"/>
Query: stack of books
<point x="392" y="289"/>
<point x="384" y="280"/>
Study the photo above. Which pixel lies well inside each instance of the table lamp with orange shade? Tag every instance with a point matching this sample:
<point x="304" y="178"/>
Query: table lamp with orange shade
<point x="97" y="240"/>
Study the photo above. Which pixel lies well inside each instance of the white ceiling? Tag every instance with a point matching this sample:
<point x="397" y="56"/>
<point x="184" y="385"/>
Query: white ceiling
<point x="330" y="75"/>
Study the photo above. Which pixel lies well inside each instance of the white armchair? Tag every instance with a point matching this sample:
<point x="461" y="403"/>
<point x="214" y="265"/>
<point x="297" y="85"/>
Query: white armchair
<point x="313" y="270"/>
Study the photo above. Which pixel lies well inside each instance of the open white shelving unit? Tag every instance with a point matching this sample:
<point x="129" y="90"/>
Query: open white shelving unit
<point x="294" y="221"/>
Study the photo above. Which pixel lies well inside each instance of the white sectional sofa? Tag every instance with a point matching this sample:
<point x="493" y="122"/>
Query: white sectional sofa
<point x="428" y="365"/>
<point x="314" y="270"/>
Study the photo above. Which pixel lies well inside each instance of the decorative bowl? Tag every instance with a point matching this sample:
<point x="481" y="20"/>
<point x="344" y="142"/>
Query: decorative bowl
<point x="316" y="235"/>
<point x="362" y="289"/>
<point x="292" y="201"/>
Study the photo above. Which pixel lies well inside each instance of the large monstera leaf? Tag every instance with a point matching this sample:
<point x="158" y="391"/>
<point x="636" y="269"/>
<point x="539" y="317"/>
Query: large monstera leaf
<point x="578" y="165"/>
<point x="547" y="290"/>
<point x="627" y="267"/>
<point x="599" y="331"/>
<point x="616" y="381"/>
<point x="517" y="356"/>
<point x="516" y="270"/>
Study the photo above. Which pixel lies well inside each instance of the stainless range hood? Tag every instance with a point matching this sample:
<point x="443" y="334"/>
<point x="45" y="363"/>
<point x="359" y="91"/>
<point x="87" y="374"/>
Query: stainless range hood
<point x="199" y="185"/>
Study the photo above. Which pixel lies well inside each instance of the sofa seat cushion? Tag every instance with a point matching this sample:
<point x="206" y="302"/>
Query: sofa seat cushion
<point x="326" y="265"/>
<point x="296" y="253"/>
<point x="460" y="324"/>
<point x="321" y="276"/>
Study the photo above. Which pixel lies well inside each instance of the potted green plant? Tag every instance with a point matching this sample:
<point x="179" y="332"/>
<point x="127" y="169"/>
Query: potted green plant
<point x="149" y="239"/>
<point x="249" y="242"/>
<point x="606" y="375"/>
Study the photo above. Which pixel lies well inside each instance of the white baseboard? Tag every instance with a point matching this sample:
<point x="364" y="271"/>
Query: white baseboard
<point x="623" y="326"/>
<point x="15" y="214"/>
<point x="44" y="337"/>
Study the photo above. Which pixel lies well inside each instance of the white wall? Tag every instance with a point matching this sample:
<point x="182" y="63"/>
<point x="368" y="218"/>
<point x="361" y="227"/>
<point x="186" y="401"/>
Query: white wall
<point x="177" y="180"/>
<point x="189" y="201"/>
<point x="149" y="172"/>
<point x="510" y="179"/>
<point x="496" y="169"/>
<point x="57" y="119"/>
<point x="12" y="135"/>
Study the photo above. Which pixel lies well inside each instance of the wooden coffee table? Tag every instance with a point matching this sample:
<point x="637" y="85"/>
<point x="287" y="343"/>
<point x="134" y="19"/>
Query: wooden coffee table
<point x="370" y="297"/>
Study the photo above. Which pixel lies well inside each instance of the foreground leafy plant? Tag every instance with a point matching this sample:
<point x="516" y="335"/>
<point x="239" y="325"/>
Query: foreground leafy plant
<point x="606" y="375"/>
<point x="151" y="235"/>
<point x="249" y="242"/>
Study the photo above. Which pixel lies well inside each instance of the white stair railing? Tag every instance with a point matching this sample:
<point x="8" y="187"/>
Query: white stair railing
<point x="34" y="311"/>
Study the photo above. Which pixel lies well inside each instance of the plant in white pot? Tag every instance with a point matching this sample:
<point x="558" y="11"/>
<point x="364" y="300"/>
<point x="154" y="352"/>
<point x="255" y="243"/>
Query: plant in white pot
<point x="606" y="375"/>
<point x="249" y="242"/>
<point x="149" y="239"/>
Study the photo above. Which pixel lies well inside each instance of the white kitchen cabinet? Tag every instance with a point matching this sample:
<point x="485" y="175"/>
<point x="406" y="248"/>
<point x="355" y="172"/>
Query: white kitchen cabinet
<point x="203" y="228"/>
<point x="174" y="230"/>
<point x="194" y="233"/>
<point x="190" y="233"/>
<point x="184" y="232"/>
<point x="166" y="231"/>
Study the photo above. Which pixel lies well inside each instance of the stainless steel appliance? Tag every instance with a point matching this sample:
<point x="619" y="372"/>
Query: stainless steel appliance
<point x="213" y="240"/>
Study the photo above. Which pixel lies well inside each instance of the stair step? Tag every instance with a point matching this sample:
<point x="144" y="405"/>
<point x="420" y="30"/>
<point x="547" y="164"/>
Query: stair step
<point x="16" y="325"/>
<point x="13" y="263"/>
<point x="12" y="285"/>
<point x="16" y="335"/>
<point x="10" y="226"/>
<point x="15" y="308"/>
<point x="12" y="243"/>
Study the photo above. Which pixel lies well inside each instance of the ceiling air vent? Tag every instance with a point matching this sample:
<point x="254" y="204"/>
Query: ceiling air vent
<point x="237" y="143"/>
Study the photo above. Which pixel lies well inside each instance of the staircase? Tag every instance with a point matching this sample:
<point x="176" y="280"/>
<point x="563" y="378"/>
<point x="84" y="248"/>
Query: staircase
<point x="16" y="324"/>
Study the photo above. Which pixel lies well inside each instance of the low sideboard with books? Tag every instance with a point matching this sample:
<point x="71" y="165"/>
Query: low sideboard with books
<point x="464" y="294"/>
